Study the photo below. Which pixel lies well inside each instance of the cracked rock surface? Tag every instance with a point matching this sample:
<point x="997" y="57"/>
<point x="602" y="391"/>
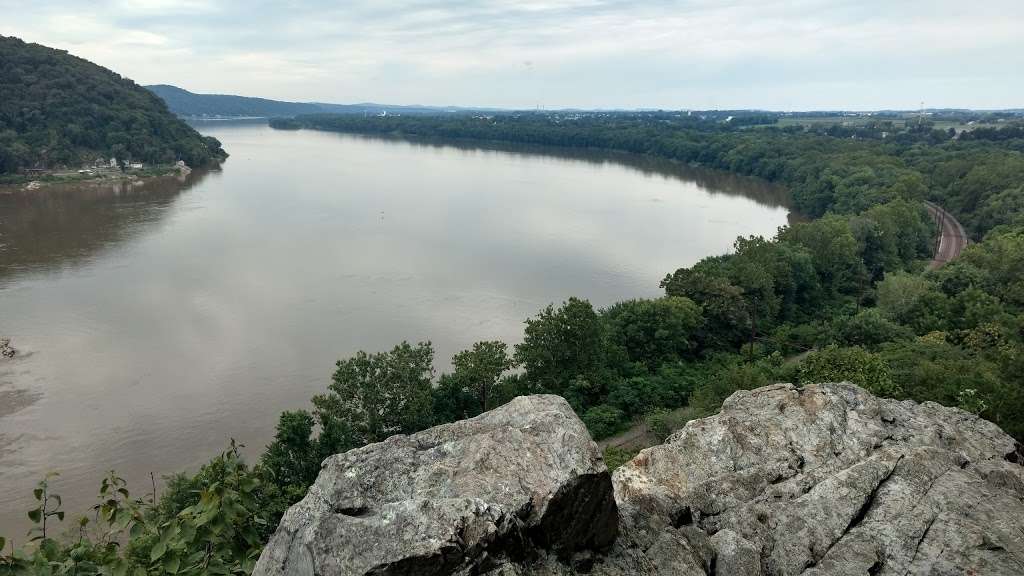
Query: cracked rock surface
<point x="821" y="480"/>
<point x="513" y="485"/>
<point x="829" y="479"/>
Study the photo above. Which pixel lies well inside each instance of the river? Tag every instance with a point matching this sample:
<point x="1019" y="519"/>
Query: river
<point x="156" y="322"/>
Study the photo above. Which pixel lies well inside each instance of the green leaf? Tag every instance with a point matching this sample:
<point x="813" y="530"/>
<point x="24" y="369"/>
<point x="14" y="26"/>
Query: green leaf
<point x="158" y="550"/>
<point x="120" y="568"/>
<point x="171" y="563"/>
<point x="3" y="543"/>
<point x="187" y="532"/>
<point x="60" y="515"/>
<point x="35" y="515"/>
<point x="38" y="493"/>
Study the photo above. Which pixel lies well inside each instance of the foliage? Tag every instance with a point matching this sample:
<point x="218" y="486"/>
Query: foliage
<point x="868" y="329"/>
<point x="378" y="395"/>
<point x="853" y="364"/>
<point x="564" y="352"/>
<point x="217" y="534"/>
<point x="615" y="457"/>
<point x="654" y="332"/>
<point x="469" y="390"/>
<point x="603" y="421"/>
<point x="59" y="110"/>
<point x="662" y="422"/>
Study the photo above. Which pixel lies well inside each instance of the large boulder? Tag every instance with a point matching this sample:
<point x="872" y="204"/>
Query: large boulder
<point x="517" y="485"/>
<point x="821" y="480"/>
<point x="828" y="479"/>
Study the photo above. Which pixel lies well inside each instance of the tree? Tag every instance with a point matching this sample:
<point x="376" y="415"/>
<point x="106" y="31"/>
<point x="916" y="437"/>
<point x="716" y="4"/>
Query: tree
<point x="382" y="394"/>
<point x="856" y="365"/>
<point x="868" y="328"/>
<point x="563" y="352"/>
<point x="603" y="420"/>
<point x="834" y="252"/>
<point x="726" y="317"/>
<point x="469" y="389"/>
<point x="653" y="332"/>
<point x="293" y="458"/>
<point x="913" y="301"/>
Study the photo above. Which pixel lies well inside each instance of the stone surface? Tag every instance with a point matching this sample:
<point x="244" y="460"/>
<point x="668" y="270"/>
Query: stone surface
<point x="514" y="485"/>
<point x="822" y="480"/>
<point x="829" y="479"/>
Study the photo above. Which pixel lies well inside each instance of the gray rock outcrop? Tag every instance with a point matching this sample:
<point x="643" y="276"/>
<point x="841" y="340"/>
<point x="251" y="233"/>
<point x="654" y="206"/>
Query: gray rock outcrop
<point x="829" y="479"/>
<point x="522" y="481"/>
<point x="825" y="479"/>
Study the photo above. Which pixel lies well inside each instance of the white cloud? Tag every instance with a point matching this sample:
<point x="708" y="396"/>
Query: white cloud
<point x="685" y="53"/>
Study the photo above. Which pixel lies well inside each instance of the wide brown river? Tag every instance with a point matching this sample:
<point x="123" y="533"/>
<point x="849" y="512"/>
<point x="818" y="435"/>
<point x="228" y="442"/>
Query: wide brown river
<point x="154" y="323"/>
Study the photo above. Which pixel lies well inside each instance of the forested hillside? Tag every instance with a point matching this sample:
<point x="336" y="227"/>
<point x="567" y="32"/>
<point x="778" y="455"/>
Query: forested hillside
<point x="185" y="103"/>
<point x="189" y="105"/>
<point x="57" y="110"/>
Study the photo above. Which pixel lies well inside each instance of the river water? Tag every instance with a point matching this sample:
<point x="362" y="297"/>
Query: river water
<point x="156" y="322"/>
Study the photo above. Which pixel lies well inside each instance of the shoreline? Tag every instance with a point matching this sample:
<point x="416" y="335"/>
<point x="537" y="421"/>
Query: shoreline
<point x="24" y="183"/>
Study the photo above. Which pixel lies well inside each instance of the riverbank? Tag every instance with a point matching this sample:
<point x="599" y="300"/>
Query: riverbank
<point x="34" y="181"/>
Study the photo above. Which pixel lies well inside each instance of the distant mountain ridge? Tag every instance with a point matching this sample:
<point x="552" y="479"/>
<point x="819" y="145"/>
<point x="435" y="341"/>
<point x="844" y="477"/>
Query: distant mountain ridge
<point x="191" y="105"/>
<point x="58" y="110"/>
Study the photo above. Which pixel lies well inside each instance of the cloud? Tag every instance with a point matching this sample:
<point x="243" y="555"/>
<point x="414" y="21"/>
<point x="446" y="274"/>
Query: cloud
<point x="608" y="53"/>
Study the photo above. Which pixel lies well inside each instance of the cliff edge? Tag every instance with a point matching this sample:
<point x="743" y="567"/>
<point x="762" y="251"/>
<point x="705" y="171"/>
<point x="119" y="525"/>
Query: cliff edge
<point x="825" y="479"/>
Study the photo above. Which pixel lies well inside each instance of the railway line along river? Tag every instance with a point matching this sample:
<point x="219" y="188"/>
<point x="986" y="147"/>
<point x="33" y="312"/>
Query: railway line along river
<point x="154" y="323"/>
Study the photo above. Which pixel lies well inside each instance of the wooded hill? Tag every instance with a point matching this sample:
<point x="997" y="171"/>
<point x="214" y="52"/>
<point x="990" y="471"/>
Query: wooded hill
<point x="192" y="105"/>
<point x="58" y="110"/>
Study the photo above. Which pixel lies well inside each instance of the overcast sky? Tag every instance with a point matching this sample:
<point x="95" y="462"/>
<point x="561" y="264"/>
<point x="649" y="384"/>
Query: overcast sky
<point x="783" y="55"/>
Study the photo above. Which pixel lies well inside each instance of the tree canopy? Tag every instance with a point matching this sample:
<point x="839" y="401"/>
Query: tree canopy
<point x="57" y="110"/>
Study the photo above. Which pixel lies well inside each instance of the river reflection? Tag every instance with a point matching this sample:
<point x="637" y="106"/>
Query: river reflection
<point x="157" y="322"/>
<point x="63" y="225"/>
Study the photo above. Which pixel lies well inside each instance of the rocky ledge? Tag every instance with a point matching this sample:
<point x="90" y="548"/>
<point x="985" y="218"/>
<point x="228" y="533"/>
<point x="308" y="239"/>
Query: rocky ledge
<point x="825" y="479"/>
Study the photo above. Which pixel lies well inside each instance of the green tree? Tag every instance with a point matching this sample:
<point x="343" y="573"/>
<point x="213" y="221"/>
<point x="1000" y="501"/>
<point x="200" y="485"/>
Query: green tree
<point x="603" y="421"/>
<point x="564" y="352"/>
<point x="469" y="389"/>
<point x="653" y="332"/>
<point x="293" y="458"/>
<point x="854" y="364"/>
<point x="725" y="311"/>
<point x="868" y="328"/>
<point x="913" y="301"/>
<point x="834" y="251"/>
<point x="381" y="394"/>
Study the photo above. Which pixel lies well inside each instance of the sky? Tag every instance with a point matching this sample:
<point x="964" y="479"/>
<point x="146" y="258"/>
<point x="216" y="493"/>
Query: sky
<point x="682" y="54"/>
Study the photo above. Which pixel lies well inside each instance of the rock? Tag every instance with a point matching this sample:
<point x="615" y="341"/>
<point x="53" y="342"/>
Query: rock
<point x="821" y="480"/>
<point x="522" y="484"/>
<point x="829" y="479"/>
<point x="6" y="350"/>
<point x="734" y="555"/>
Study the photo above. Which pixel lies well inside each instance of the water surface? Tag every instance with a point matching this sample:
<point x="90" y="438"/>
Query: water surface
<point x="155" y="322"/>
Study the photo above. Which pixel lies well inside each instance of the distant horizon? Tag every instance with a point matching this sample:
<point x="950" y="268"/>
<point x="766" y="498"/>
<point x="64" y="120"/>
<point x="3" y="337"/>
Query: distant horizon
<point x="600" y="109"/>
<point x="806" y="55"/>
